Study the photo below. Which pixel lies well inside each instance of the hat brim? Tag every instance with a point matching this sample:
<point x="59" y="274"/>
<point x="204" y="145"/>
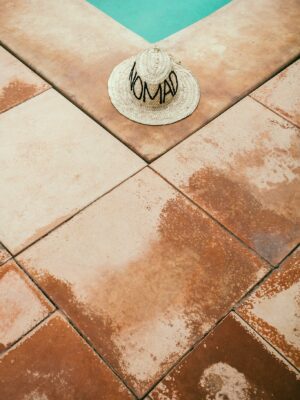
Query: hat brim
<point x="181" y="106"/>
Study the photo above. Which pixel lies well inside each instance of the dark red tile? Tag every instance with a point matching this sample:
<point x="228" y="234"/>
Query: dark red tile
<point x="232" y="363"/>
<point x="274" y="309"/>
<point x="54" y="363"/>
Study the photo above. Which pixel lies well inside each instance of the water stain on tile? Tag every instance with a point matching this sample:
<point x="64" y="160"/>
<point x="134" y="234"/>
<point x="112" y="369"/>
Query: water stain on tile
<point x="16" y="92"/>
<point x="281" y="93"/>
<point x="154" y="274"/>
<point x="244" y="169"/>
<point x="22" y="305"/>
<point x="266" y="230"/>
<point x="51" y="40"/>
<point x="274" y="309"/>
<point x="17" y="82"/>
<point x="231" y="363"/>
<point x="54" y="362"/>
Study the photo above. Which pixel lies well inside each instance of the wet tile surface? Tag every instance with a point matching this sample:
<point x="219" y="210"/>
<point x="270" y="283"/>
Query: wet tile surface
<point x="17" y="82"/>
<point x="282" y="93"/>
<point x="274" y="309"/>
<point x="215" y="49"/>
<point x="55" y="363"/>
<point x="4" y="255"/>
<point x="145" y="274"/>
<point x="54" y="161"/>
<point x="243" y="168"/>
<point x="232" y="363"/>
<point x="22" y="305"/>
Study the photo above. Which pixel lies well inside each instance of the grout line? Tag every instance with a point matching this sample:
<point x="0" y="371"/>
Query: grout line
<point x="288" y="255"/>
<point x="34" y="327"/>
<point x="257" y="285"/>
<point x="58" y="308"/>
<point x="235" y="100"/>
<point x="213" y="218"/>
<point x="70" y="99"/>
<point x="79" y="211"/>
<point x="25" y="100"/>
<point x="187" y="353"/>
<point x="274" y="111"/>
<point x="266" y="341"/>
<point x="90" y="344"/>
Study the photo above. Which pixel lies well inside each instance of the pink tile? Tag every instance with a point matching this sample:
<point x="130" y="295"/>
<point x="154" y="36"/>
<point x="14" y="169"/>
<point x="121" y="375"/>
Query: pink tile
<point x="55" y="363"/>
<point x="282" y="93"/>
<point x="274" y="309"/>
<point x="231" y="363"/>
<point x="243" y="169"/>
<point x="76" y="46"/>
<point x="54" y="161"/>
<point x="22" y="305"/>
<point x="17" y="82"/>
<point x="144" y="274"/>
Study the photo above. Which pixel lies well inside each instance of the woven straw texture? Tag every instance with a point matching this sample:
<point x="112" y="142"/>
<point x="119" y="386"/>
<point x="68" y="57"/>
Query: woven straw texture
<point x="153" y="66"/>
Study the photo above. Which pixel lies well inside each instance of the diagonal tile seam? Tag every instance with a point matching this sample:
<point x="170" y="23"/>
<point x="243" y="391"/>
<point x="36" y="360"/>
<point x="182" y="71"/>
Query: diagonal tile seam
<point x="78" y="211"/>
<point x="30" y="331"/>
<point x="266" y="341"/>
<point x="218" y="113"/>
<point x="74" y="326"/>
<point x="208" y="333"/>
<point x="264" y="278"/>
<point x="198" y="340"/>
<point x="28" y="99"/>
<point x="273" y="111"/>
<point x="186" y="354"/>
<point x="231" y="310"/>
<point x="69" y="98"/>
<point x="214" y="219"/>
<point x="8" y="252"/>
<point x="236" y="99"/>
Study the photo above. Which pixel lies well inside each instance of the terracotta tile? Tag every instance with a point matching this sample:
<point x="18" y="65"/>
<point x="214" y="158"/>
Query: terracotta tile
<point x="54" y="363"/>
<point x="282" y="93"/>
<point x="54" y="161"/>
<point x="274" y="309"/>
<point x="231" y="363"/>
<point x="17" y="82"/>
<point x="243" y="168"/>
<point x="22" y="305"/>
<point x="4" y="255"/>
<point x="145" y="274"/>
<point x="228" y="51"/>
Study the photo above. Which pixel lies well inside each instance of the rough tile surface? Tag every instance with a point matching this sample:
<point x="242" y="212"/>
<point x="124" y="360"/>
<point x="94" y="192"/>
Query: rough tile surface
<point x="145" y="274"/>
<point x="232" y="363"/>
<point x="76" y="46"/>
<point x="54" y="161"/>
<point x="54" y="363"/>
<point x="274" y="309"/>
<point x="4" y="255"/>
<point x="22" y="305"/>
<point x="282" y="93"/>
<point x="243" y="168"/>
<point x="17" y="82"/>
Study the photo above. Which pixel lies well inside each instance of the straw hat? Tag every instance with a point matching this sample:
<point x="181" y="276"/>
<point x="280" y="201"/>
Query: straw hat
<point x="151" y="88"/>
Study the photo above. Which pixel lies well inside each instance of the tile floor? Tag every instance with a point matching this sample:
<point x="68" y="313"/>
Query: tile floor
<point x="231" y="52"/>
<point x="17" y="82"/>
<point x="169" y="281"/>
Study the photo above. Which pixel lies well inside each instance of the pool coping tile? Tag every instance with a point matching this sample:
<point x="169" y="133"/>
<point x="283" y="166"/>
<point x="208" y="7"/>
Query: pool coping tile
<point x="215" y="49"/>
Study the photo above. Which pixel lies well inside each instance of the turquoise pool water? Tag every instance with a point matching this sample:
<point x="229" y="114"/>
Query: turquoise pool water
<point x="156" y="19"/>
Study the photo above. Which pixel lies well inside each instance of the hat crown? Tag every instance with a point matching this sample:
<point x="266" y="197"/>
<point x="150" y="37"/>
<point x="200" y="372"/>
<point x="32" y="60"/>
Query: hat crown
<point x="154" y="65"/>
